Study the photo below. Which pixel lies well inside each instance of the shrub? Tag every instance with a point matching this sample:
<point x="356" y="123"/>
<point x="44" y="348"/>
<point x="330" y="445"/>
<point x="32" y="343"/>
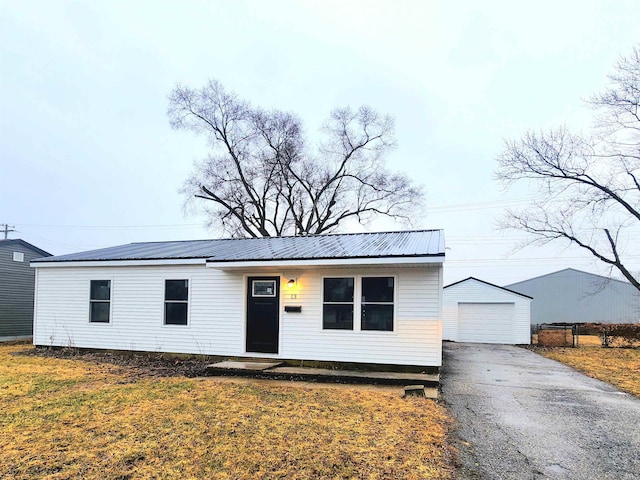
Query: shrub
<point x="626" y="335"/>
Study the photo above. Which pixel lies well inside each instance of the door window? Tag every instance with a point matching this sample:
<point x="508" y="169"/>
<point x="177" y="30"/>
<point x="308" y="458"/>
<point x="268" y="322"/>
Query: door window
<point x="263" y="288"/>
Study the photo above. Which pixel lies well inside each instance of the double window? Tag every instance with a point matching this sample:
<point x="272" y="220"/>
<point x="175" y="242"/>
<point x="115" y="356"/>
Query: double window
<point x="176" y="301"/>
<point x="100" y="301"/>
<point x="375" y="306"/>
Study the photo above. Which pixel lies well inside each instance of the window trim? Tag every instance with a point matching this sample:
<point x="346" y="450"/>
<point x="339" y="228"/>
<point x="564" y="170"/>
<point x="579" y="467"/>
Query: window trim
<point x="352" y="303"/>
<point x="165" y="301"/>
<point x="110" y="301"/>
<point x="357" y="304"/>
<point x="392" y="302"/>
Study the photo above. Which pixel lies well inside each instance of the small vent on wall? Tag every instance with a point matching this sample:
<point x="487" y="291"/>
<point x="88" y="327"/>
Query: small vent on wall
<point x="18" y="257"/>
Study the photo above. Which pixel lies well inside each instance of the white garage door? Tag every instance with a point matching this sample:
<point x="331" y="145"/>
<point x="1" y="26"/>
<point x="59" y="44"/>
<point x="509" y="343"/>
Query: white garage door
<point x="486" y="322"/>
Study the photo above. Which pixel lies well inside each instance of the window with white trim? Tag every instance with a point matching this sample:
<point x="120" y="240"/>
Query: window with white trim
<point x="176" y="302"/>
<point x="376" y="306"/>
<point x="369" y="298"/>
<point x="99" y="301"/>
<point x="337" y="303"/>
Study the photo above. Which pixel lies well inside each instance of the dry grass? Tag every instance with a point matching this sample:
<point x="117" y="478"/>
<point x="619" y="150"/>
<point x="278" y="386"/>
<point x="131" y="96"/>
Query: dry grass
<point x="65" y="418"/>
<point x="617" y="366"/>
<point x="589" y="341"/>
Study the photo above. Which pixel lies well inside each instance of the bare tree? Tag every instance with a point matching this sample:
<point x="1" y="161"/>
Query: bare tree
<point x="261" y="180"/>
<point x="588" y="185"/>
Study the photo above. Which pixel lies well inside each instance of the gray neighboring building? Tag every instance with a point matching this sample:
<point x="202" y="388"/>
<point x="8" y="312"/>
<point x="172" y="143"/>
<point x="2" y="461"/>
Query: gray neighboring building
<point x="17" y="282"/>
<point x="574" y="296"/>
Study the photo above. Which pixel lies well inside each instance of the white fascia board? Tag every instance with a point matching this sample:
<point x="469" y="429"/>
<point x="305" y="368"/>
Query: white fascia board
<point x="328" y="262"/>
<point x="120" y="263"/>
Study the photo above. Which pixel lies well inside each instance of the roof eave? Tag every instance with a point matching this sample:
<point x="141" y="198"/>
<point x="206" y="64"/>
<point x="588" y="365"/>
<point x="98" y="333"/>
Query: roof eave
<point x="327" y="262"/>
<point x="118" y="263"/>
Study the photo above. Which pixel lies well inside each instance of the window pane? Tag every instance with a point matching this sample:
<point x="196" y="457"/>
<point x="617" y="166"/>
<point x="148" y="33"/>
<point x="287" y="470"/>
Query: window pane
<point x="100" y="289"/>
<point x="337" y="317"/>
<point x="264" y="288"/>
<point x="175" y="313"/>
<point x="377" y="289"/>
<point x="176" y="290"/>
<point x="99" y="312"/>
<point x="377" y="317"/>
<point x="338" y="289"/>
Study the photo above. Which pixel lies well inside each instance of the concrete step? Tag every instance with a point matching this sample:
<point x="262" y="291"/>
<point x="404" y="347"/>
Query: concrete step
<point x="359" y="376"/>
<point x="274" y="370"/>
<point x="242" y="366"/>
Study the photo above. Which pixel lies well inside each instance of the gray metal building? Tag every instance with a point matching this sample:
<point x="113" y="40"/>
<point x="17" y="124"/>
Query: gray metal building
<point x="575" y="296"/>
<point x="17" y="281"/>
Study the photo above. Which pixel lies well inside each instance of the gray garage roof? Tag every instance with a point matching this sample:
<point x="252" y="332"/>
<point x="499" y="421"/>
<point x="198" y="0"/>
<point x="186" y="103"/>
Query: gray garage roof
<point x="413" y="243"/>
<point x="489" y="284"/>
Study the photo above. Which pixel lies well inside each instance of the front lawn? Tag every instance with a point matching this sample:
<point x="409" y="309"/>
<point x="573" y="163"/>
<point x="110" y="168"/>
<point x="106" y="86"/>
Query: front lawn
<point x="617" y="366"/>
<point x="68" y="418"/>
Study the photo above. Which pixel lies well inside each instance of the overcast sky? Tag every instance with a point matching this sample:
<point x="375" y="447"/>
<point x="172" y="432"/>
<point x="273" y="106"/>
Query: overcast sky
<point x="88" y="160"/>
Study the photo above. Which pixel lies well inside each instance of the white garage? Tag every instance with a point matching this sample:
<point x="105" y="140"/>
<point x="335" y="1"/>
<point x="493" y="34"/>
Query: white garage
<point x="480" y="312"/>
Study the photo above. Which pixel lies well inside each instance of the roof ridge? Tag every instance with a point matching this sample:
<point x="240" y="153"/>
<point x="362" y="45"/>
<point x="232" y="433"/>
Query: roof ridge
<point x="313" y="235"/>
<point x="609" y="279"/>
<point x="489" y="284"/>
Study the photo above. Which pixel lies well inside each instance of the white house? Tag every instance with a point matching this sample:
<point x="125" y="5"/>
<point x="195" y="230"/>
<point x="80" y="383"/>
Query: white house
<point x="480" y="312"/>
<point x="371" y="297"/>
<point x="574" y="296"/>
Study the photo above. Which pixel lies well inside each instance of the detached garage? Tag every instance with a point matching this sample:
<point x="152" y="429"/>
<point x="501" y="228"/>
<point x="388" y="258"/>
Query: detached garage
<point x="480" y="312"/>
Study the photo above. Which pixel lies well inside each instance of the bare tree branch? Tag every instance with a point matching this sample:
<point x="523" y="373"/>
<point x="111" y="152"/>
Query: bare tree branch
<point x="587" y="184"/>
<point x="262" y="180"/>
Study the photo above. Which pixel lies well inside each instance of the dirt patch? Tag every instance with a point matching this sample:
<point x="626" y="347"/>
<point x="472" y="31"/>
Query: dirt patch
<point x="131" y="364"/>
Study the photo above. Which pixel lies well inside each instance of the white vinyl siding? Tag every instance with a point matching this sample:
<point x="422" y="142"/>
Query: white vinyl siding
<point x="484" y="299"/>
<point x="217" y="313"/>
<point x="417" y="335"/>
<point x="137" y="312"/>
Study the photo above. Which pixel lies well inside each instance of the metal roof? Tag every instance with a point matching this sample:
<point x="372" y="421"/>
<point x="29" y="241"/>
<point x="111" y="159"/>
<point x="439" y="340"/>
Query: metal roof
<point x="412" y="243"/>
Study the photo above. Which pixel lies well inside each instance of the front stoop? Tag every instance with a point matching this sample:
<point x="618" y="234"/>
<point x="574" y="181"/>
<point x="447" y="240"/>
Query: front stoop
<point x="275" y="371"/>
<point x="239" y="366"/>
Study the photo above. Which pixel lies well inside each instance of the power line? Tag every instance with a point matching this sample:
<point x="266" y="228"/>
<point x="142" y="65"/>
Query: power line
<point x="477" y="205"/>
<point x="434" y="209"/>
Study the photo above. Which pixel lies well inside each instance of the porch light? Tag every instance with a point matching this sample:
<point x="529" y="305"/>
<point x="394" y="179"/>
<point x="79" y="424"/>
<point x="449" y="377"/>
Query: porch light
<point x="291" y="282"/>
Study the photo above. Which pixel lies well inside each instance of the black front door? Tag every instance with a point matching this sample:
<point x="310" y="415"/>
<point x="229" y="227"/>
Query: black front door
<point x="263" y="314"/>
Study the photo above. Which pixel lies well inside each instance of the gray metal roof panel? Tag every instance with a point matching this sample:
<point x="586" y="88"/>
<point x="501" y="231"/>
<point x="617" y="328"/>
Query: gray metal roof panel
<point x="413" y="243"/>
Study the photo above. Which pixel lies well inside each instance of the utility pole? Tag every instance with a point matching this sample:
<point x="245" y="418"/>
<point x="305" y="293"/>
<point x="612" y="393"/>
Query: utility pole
<point x="7" y="228"/>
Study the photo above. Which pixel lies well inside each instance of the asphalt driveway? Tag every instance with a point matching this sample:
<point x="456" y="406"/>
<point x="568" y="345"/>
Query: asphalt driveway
<point x="523" y="416"/>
